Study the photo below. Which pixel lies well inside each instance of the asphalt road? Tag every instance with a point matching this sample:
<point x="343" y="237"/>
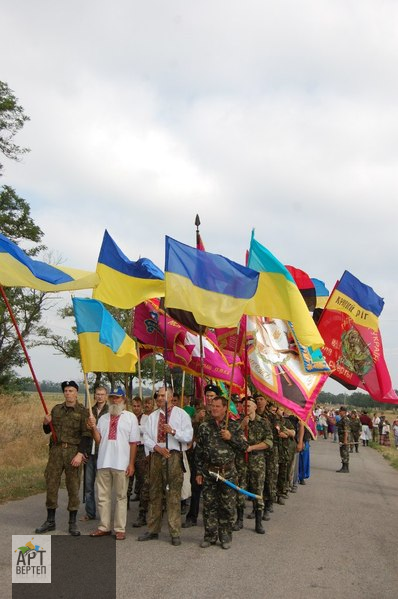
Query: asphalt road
<point x="337" y="537"/>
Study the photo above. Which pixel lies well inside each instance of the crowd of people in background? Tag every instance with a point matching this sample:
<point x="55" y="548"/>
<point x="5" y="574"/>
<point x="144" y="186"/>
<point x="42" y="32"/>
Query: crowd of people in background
<point x="363" y="427"/>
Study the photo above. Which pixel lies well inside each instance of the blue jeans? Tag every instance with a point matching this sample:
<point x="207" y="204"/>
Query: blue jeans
<point x="89" y="494"/>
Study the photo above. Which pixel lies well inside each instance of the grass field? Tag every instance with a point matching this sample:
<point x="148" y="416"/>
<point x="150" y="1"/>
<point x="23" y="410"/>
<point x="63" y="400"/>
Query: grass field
<point x="23" y="444"/>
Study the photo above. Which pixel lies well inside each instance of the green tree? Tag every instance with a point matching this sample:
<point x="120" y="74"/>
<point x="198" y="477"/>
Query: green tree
<point x="27" y="304"/>
<point x="12" y="119"/>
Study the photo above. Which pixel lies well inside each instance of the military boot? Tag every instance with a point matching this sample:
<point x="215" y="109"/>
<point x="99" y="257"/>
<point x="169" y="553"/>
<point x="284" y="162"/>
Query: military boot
<point x="343" y="468"/>
<point x="346" y="469"/>
<point x="239" y="520"/>
<point x="141" y="519"/>
<point x="49" y="524"/>
<point x="356" y="448"/>
<point x="259" y="527"/>
<point x="73" y="530"/>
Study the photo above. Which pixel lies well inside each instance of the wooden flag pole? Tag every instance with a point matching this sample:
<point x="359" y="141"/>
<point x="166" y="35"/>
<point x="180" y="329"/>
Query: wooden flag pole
<point x="182" y="388"/>
<point x="22" y="342"/>
<point x="232" y="374"/>
<point x="139" y="372"/>
<point x="90" y="410"/>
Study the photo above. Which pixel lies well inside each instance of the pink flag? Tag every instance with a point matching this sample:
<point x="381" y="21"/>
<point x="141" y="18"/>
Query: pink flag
<point x="182" y="347"/>
<point x="276" y="368"/>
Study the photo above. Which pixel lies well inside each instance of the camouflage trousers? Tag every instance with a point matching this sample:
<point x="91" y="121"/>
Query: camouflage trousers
<point x="271" y="474"/>
<point x="344" y="454"/>
<point x="142" y="478"/>
<point x="59" y="460"/>
<point x="284" y="468"/>
<point x="165" y="473"/>
<point x="219" y="505"/>
<point x="251" y="477"/>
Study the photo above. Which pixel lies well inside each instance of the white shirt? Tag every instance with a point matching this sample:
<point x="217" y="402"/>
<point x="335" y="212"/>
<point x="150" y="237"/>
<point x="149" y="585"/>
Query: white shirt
<point x="115" y="453"/>
<point x="141" y="426"/>
<point x="179" y="420"/>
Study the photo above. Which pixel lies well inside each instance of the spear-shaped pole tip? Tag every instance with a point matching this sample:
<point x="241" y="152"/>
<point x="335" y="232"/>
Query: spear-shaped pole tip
<point x="197" y="220"/>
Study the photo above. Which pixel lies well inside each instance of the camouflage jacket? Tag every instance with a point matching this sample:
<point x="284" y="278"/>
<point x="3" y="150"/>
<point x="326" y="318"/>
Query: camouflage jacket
<point x="212" y="450"/>
<point x="70" y="425"/>
<point x="258" y="431"/>
<point x="343" y="426"/>
<point x="355" y="425"/>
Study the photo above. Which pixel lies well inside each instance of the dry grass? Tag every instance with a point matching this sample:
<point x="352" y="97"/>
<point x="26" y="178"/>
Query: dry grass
<point x="23" y="444"/>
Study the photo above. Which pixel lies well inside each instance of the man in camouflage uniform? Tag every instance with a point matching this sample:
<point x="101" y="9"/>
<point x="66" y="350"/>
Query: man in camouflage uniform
<point x="215" y="451"/>
<point x="355" y="431"/>
<point x="73" y="444"/>
<point x="287" y="446"/>
<point x="343" y="428"/>
<point x="267" y="411"/>
<point x="251" y="464"/>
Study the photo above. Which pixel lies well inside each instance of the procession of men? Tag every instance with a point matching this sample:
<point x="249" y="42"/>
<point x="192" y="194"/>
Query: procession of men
<point x="232" y="460"/>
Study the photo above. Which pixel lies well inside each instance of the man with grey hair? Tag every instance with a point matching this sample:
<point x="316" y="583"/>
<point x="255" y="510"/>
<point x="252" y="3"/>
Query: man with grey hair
<point x="167" y="433"/>
<point x="117" y="434"/>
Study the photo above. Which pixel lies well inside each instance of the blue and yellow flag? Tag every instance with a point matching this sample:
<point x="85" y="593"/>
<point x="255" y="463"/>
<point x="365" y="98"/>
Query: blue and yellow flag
<point x="124" y="283"/>
<point x="104" y="345"/>
<point x="322" y="293"/>
<point x="278" y="296"/>
<point x="215" y="289"/>
<point x="17" y="269"/>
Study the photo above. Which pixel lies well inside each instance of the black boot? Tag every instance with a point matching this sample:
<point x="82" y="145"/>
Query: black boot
<point x="73" y="530"/>
<point x="259" y="527"/>
<point x="141" y="519"/>
<point x="344" y="468"/>
<point x="49" y="524"/>
<point x="239" y="520"/>
<point x="356" y="447"/>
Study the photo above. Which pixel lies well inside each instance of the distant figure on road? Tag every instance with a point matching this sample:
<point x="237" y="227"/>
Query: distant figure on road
<point x="343" y="427"/>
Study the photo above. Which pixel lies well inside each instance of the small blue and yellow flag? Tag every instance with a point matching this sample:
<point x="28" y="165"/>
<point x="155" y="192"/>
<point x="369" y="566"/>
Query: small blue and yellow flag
<point x="322" y="293"/>
<point x="124" y="283"/>
<point x="17" y="269"/>
<point x="279" y="297"/>
<point x="104" y="345"/>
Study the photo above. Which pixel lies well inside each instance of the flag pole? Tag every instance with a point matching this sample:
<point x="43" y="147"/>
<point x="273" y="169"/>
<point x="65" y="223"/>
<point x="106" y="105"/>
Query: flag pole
<point x="182" y="388"/>
<point x="88" y="394"/>
<point x="139" y="373"/>
<point x="232" y="374"/>
<point x="199" y="246"/>
<point x="22" y="342"/>
<point x="153" y="373"/>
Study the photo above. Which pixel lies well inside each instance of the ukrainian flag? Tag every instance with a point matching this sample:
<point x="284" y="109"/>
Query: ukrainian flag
<point x="215" y="289"/>
<point x="322" y="293"/>
<point x="357" y="300"/>
<point x="104" y="345"/>
<point x="124" y="283"/>
<point x="278" y="296"/>
<point x="17" y="269"/>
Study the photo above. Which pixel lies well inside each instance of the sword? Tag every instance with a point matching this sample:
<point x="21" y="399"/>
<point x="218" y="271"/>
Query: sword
<point x="218" y="476"/>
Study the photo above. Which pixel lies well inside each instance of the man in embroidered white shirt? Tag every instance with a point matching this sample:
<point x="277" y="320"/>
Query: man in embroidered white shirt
<point x="117" y="434"/>
<point x="167" y="434"/>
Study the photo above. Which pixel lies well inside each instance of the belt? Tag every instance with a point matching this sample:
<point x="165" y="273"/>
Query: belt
<point x="220" y="467"/>
<point x="66" y="445"/>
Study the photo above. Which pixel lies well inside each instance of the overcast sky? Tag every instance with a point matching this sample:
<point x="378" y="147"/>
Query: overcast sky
<point x="279" y="115"/>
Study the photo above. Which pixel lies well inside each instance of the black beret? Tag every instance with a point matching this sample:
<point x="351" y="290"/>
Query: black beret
<point x="69" y="384"/>
<point x="213" y="389"/>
